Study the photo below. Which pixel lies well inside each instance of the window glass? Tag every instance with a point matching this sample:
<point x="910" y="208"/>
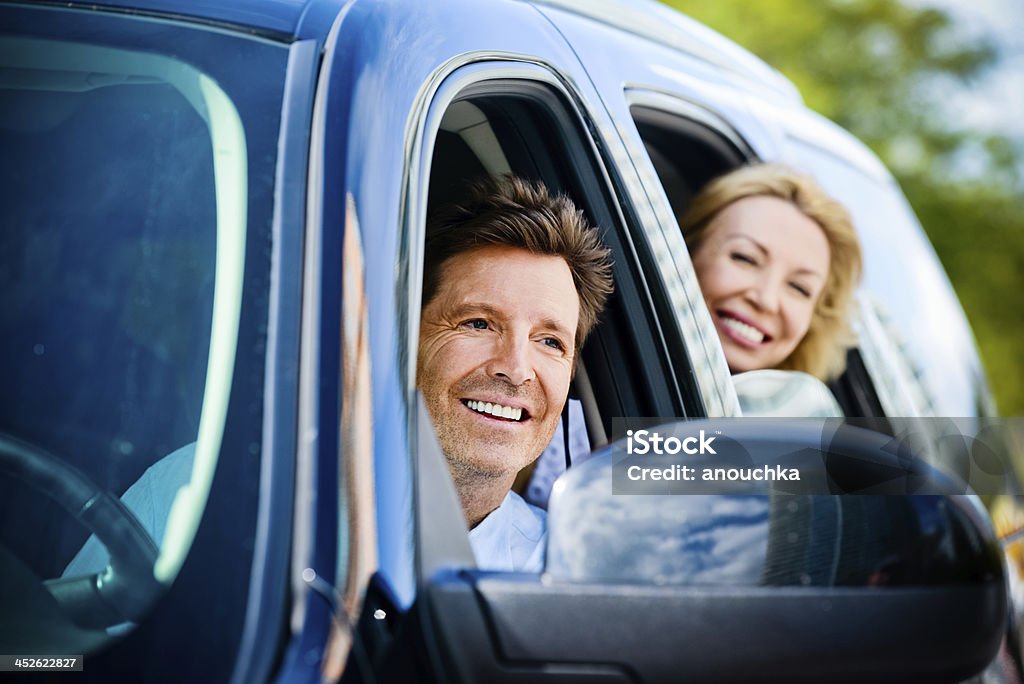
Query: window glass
<point x="125" y="182"/>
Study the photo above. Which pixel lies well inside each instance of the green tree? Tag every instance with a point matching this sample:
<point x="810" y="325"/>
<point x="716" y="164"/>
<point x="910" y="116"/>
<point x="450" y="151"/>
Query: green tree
<point x="884" y="70"/>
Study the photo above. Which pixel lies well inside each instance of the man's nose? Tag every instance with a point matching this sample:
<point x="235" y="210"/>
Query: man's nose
<point x="511" y="360"/>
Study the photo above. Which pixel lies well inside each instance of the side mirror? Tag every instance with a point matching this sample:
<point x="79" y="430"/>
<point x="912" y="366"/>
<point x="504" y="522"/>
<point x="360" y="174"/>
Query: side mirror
<point x="753" y="585"/>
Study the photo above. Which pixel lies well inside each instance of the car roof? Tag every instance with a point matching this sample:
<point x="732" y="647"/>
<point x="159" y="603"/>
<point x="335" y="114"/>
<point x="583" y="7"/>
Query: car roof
<point x="661" y="24"/>
<point x="275" y="19"/>
<point x="287" y="20"/>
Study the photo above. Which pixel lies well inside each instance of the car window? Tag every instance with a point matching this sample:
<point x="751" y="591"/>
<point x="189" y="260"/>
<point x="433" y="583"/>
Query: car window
<point x="688" y="151"/>
<point x="128" y="191"/>
<point x="528" y="129"/>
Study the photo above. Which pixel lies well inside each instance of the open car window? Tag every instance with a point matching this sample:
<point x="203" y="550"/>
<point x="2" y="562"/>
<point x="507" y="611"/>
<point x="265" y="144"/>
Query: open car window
<point x="690" y="148"/>
<point x="529" y="128"/>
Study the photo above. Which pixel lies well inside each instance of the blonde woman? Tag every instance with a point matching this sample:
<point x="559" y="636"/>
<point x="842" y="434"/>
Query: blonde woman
<point x="778" y="261"/>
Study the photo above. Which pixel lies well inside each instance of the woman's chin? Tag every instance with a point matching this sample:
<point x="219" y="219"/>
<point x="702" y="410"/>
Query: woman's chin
<point x="741" y="361"/>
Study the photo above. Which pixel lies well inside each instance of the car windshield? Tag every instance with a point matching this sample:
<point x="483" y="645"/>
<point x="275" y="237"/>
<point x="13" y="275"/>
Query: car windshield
<point x="126" y="193"/>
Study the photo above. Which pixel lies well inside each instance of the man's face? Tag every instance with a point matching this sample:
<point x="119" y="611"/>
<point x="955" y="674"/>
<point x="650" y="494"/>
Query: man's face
<point x="496" y="356"/>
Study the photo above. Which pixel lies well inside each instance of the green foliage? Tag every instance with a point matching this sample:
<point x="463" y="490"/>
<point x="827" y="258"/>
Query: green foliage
<point x="882" y="70"/>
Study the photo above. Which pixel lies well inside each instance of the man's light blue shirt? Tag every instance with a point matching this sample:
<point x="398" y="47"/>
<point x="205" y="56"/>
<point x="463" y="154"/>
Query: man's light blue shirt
<point x="513" y="538"/>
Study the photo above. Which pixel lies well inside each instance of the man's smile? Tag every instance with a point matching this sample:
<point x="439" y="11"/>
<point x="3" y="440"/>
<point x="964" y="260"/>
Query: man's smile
<point x="496" y="410"/>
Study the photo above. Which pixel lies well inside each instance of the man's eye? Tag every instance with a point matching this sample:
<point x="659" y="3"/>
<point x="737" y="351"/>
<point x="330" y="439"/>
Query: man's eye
<point x="554" y="343"/>
<point x="743" y="258"/>
<point x="476" y="324"/>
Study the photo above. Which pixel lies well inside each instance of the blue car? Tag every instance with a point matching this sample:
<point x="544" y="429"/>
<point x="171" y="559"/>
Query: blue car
<point x="211" y="264"/>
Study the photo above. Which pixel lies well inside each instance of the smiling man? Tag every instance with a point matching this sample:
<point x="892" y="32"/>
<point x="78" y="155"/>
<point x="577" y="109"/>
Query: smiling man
<point x="514" y="279"/>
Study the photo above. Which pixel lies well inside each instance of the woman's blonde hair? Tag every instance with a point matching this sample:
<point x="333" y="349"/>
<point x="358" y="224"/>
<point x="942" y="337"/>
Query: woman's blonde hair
<point x="822" y="351"/>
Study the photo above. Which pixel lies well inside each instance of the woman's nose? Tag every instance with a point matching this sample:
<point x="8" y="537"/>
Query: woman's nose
<point x="764" y="294"/>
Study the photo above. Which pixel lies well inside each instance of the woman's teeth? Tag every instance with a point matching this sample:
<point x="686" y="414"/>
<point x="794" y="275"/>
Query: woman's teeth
<point x="745" y="331"/>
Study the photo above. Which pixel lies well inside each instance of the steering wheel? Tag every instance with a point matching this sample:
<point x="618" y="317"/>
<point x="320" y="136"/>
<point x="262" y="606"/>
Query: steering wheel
<point x="126" y="588"/>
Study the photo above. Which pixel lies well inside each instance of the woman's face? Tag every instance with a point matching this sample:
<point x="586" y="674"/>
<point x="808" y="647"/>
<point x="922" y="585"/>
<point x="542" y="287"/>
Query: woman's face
<point x="762" y="267"/>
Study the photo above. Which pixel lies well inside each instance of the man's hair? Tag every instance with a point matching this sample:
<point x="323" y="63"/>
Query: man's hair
<point x="514" y="212"/>
<point x="822" y="351"/>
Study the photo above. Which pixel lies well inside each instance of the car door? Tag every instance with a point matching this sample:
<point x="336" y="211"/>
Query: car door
<point x="480" y="90"/>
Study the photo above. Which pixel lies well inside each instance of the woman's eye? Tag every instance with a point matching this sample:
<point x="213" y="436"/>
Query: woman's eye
<point x="743" y="258"/>
<point x="805" y="292"/>
<point x="476" y="324"/>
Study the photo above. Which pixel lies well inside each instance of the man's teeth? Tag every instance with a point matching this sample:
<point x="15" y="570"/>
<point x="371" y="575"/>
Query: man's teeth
<point x="495" y="409"/>
<point x="745" y="331"/>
